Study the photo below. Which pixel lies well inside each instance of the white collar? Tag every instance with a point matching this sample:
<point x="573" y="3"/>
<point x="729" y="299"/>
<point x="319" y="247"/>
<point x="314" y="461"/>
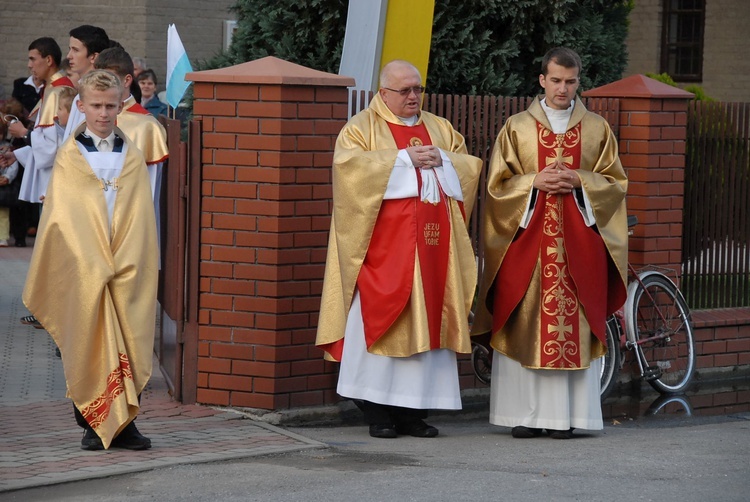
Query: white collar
<point x="30" y="81"/>
<point x="410" y="121"/>
<point x="98" y="140"/>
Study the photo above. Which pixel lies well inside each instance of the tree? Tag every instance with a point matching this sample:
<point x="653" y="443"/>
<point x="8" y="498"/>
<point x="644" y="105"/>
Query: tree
<point x="478" y="47"/>
<point x="306" y="32"/>
<point x="501" y="43"/>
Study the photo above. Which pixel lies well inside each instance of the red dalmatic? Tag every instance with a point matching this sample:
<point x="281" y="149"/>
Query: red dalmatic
<point x="573" y="259"/>
<point x="405" y="229"/>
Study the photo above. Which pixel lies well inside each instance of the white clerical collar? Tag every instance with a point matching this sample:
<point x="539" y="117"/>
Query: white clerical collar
<point x="558" y="119"/>
<point x="410" y="121"/>
<point x="108" y="146"/>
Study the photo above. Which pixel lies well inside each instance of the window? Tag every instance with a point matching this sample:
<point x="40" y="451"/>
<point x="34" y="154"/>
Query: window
<point x="682" y="39"/>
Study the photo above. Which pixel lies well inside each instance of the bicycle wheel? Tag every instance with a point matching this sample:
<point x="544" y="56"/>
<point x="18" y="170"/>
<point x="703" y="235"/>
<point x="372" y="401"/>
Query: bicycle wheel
<point x="481" y="361"/>
<point x="611" y="360"/>
<point x="660" y="319"/>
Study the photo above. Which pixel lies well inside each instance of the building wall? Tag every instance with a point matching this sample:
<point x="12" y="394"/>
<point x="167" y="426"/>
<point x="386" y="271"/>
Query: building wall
<point x="723" y="52"/>
<point x="725" y="62"/>
<point x="141" y="28"/>
<point x="644" y="37"/>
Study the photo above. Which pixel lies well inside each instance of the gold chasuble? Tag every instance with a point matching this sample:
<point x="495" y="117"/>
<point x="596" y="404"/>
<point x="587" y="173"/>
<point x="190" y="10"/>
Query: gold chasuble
<point x="547" y="289"/>
<point x="144" y="131"/>
<point x="49" y="103"/>
<point x="411" y="261"/>
<point x="92" y="285"/>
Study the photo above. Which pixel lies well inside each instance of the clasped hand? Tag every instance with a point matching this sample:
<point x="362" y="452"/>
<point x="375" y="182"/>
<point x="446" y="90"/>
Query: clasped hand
<point x="425" y="157"/>
<point x="557" y="179"/>
<point x="7" y="157"/>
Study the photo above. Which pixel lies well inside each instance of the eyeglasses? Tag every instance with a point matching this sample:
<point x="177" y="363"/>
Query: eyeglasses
<point x="417" y="89"/>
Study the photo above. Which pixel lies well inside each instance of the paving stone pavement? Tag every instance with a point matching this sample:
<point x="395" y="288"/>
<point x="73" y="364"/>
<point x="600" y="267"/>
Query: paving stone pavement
<point x="40" y="441"/>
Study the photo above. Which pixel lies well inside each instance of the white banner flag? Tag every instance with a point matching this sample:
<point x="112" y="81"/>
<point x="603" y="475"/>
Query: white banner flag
<point x="178" y="65"/>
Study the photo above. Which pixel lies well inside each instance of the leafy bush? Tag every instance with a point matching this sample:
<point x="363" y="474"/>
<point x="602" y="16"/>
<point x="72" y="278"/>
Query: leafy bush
<point x="485" y="47"/>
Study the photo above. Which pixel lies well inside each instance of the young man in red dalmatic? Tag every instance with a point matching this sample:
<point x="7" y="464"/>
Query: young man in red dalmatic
<point x="555" y="235"/>
<point x="401" y="272"/>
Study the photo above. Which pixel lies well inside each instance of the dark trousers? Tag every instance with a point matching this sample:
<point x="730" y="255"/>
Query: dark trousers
<point x="385" y="414"/>
<point x="19" y="220"/>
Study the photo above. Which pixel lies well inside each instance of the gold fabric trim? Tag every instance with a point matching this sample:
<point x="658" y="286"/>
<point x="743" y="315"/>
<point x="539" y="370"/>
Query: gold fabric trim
<point x="146" y="133"/>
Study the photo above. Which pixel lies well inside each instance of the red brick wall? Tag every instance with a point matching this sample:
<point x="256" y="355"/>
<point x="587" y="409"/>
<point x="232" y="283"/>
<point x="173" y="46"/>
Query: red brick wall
<point x="266" y="204"/>
<point x="652" y="149"/>
<point x="722" y="338"/>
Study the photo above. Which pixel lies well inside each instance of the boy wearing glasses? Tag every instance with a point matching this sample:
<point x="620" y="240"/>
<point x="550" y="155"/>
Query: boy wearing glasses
<point x="400" y="272"/>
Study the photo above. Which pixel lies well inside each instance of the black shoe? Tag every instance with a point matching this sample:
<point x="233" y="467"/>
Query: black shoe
<point x="522" y="432"/>
<point x="20" y="244"/>
<point x="57" y="352"/>
<point x="91" y="441"/>
<point x="418" y="429"/>
<point x="383" y="431"/>
<point x="131" y="439"/>
<point x="555" y="434"/>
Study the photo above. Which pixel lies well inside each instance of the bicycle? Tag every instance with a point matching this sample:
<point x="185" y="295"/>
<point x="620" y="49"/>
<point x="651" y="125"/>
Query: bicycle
<point x="654" y="322"/>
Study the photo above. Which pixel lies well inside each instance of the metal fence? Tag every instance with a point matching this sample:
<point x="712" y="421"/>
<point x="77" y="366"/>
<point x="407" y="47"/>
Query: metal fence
<point x="716" y="221"/>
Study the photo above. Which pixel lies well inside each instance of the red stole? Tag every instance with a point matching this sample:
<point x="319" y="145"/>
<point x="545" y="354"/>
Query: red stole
<point x="137" y="108"/>
<point x="63" y="82"/>
<point x="575" y="265"/>
<point x="405" y="229"/>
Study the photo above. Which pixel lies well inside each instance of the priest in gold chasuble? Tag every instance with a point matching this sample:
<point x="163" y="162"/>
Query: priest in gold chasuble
<point x="555" y="258"/>
<point x="401" y="271"/>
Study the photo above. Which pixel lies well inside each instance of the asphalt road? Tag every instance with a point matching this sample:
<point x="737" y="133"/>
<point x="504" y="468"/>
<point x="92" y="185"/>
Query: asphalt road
<point x="680" y="459"/>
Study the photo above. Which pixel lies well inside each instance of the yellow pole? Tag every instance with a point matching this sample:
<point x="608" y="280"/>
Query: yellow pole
<point x="408" y="33"/>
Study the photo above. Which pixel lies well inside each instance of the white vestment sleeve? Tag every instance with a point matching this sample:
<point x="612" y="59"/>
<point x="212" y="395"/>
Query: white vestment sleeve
<point x="586" y="212"/>
<point x="403" y="181"/>
<point x="448" y="178"/>
<point x="529" y="212"/>
<point x="44" y="146"/>
<point x="75" y="119"/>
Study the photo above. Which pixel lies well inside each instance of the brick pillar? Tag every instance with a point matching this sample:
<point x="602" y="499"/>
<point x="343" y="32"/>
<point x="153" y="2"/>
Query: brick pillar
<point x="653" y="120"/>
<point x="269" y="128"/>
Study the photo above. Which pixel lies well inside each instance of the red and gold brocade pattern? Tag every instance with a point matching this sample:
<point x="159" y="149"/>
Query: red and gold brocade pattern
<point x="560" y="309"/>
<point x="98" y="411"/>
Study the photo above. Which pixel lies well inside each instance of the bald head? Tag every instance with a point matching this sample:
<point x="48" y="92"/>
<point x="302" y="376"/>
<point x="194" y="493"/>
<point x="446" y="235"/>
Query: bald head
<point x="401" y="88"/>
<point x="395" y="69"/>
